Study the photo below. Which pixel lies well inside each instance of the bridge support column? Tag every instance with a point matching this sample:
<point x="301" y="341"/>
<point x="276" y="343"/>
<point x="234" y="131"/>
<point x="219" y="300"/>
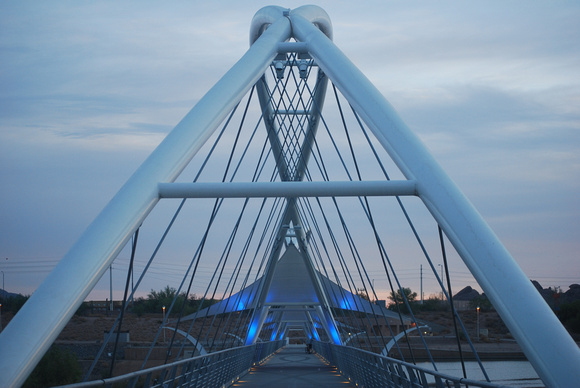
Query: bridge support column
<point x="256" y="325"/>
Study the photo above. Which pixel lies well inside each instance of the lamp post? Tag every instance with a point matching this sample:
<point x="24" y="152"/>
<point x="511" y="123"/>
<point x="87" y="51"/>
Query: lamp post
<point x="163" y="323"/>
<point x="0" y="316"/>
<point x="478" y="323"/>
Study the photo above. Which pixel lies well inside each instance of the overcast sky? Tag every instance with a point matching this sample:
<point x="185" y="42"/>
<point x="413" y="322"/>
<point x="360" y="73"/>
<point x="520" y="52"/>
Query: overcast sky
<point x="88" y="89"/>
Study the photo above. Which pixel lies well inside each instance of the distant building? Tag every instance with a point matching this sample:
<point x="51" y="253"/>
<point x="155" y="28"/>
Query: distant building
<point x="102" y="306"/>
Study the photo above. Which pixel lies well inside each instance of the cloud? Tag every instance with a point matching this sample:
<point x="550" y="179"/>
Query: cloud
<point x="87" y="90"/>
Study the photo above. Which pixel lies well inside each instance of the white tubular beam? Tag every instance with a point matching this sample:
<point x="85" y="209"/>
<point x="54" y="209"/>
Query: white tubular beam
<point x="39" y="322"/>
<point x="286" y="189"/>
<point x="292" y="47"/>
<point x="543" y="339"/>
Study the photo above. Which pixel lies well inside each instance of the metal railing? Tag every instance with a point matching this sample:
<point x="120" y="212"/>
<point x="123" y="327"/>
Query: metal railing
<point x="213" y="370"/>
<point x="369" y="369"/>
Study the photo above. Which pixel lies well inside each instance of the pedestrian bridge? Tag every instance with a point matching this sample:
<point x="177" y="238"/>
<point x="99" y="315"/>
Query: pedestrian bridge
<point x="291" y="178"/>
<point x="273" y="364"/>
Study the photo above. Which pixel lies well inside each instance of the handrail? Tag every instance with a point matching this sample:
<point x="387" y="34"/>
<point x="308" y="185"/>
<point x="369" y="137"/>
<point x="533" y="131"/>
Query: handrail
<point x="369" y="369"/>
<point x="211" y="370"/>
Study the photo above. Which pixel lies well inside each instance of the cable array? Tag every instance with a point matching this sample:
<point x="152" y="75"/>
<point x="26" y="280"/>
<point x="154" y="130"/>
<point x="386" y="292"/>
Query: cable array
<point x="238" y="242"/>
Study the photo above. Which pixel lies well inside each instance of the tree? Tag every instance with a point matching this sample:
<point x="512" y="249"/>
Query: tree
<point x="13" y="303"/>
<point x="399" y="302"/>
<point x="397" y="297"/>
<point x="482" y="302"/>
<point x="569" y="314"/>
<point x="362" y="294"/>
<point x="157" y="299"/>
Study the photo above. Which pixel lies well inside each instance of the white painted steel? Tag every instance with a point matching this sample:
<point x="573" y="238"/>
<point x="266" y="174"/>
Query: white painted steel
<point x="393" y="341"/>
<point x="190" y="338"/>
<point x="543" y="339"/>
<point x="263" y="19"/>
<point x="548" y="346"/>
<point x="294" y="47"/>
<point x="287" y="189"/>
<point x="38" y="323"/>
<point x="259" y="22"/>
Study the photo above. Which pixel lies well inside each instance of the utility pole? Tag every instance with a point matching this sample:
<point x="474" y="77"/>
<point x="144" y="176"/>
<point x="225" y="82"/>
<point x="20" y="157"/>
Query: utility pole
<point x="3" y="286"/>
<point x="111" y="286"/>
<point x="421" y="283"/>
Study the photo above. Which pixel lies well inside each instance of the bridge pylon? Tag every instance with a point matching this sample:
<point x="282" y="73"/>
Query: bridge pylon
<point x="306" y="32"/>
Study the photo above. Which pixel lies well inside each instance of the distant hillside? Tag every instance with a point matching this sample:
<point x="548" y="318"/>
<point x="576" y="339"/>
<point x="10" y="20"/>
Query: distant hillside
<point x="467" y="294"/>
<point x="7" y="295"/>
<point x="555" y="297"/>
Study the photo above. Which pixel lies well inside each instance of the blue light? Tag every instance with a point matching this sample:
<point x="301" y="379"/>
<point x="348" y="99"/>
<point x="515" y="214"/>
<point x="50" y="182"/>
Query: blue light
<point x="334" y="334"/>
<point x="252" y="332"/>
<point x="316" y="336"/>
<point x="344" y="304"/>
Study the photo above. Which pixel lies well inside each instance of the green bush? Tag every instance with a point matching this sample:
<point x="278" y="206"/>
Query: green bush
<point x="157" y="299"/>
<point x="569" y="315"/>
<point x="57" y="367"/>
<point x="14" y="303"/>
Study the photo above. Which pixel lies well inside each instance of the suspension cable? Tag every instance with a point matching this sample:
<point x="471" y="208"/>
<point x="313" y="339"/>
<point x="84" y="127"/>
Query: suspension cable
<point x="129" y="272"/>
<point x="452" y="307"/>
<point x="419" y="241"/>
<point x="157" y="248"/>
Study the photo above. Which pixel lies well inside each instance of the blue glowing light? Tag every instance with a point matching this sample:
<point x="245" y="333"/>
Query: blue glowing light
<point x="344" y="304"/>
<point x="252" y="332"/>
<point x="316" y="336"/>
<point x="334" y="335"/>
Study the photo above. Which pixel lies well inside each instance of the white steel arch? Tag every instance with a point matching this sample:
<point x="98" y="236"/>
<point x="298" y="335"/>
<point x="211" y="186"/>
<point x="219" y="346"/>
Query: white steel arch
<point x="545" y="342"/>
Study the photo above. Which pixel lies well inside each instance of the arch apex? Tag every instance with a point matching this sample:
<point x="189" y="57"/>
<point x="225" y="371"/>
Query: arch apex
<point x="269" y="14"/>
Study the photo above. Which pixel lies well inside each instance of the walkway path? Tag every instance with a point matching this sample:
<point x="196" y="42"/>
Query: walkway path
<point x="292" y="367"/>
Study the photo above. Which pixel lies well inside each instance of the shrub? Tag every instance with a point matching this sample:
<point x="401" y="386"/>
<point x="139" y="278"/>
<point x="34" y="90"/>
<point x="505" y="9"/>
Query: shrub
<point x="57" y="367"/>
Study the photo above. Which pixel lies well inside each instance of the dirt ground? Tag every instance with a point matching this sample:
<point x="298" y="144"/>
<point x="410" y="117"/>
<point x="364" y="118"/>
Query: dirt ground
<point x="144" y="328"/>
<point x="94" y="327"/>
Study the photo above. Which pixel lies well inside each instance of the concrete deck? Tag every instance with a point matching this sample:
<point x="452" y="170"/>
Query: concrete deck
<point x="292" y="367"/>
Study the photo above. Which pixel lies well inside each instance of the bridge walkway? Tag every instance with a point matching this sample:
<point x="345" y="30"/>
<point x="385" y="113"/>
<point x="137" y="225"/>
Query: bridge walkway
<point x="293" y="367"/>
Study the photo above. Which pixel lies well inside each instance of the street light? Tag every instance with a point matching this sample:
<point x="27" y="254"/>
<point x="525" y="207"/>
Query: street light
<point x="163" y="324"/>
<point x="477" y="323"/>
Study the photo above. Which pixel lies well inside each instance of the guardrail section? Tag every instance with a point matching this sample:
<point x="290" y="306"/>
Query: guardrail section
<point x="213" y="370"/>
<point x="368" y="369"/>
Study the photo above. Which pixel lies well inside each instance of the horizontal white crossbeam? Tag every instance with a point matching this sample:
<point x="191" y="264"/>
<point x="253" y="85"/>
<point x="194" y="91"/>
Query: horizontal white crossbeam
<point x="287" y="189"/>
<point x="292" y="47"/>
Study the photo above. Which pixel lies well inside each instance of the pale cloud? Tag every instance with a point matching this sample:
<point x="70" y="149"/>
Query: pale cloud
<point x="87" y="90"/>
